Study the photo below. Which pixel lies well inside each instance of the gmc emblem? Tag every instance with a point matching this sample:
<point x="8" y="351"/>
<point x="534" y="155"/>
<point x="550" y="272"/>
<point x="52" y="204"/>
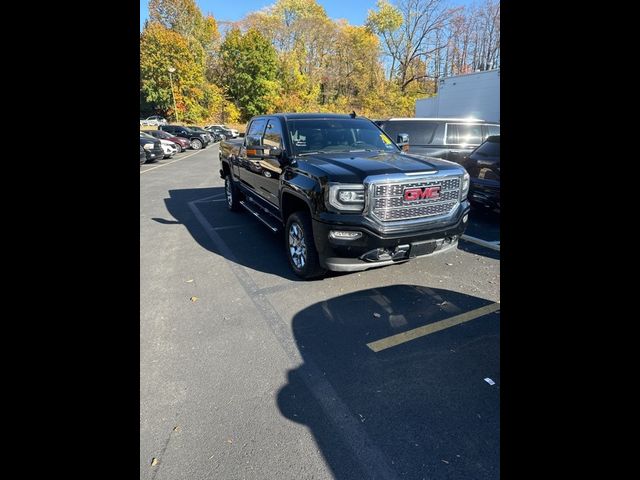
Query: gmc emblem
<point x="411" y="194"/>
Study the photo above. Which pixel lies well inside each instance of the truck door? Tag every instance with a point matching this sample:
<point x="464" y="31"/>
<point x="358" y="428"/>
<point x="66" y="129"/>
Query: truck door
<point x="249" y="168"/>
<point x="271" y="167"/>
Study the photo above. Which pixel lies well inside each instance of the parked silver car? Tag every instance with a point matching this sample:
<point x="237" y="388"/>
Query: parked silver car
<point x="154" y="120"/>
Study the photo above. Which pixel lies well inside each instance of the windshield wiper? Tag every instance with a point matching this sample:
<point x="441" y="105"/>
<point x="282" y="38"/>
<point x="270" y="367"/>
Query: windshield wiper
<point x="312" y="153"/>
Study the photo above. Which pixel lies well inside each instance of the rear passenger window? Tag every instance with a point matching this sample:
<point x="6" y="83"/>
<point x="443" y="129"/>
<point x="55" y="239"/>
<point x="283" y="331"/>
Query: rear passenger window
<point x="464" y="134"/>
<point x="420" y="132"/>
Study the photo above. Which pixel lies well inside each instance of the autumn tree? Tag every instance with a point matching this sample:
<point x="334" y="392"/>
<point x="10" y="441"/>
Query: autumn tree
<point x="249" y="68"/>
<point x="410" y="33"/>
<point x="291" y="56"/>
<point x="184" y="17"/>
<point x="161" y="48"/>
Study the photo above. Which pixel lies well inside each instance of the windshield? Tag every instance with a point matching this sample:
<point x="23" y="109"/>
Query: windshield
<point x="146" y="135"/>
<point x="323" y="135"/>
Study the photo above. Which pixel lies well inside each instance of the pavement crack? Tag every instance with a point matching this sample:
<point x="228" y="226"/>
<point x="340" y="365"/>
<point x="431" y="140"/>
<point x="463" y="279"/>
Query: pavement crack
<point x="157" y="461"/>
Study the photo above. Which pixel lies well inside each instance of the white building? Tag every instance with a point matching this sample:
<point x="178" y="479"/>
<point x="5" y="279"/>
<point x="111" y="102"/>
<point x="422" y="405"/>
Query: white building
<point x="474" y="95"/>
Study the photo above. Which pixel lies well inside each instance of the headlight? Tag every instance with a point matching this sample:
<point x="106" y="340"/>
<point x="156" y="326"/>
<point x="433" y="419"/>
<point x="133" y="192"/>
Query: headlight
<point x="148" y="146"/>
<point x="465" y="186"/>
<point x="346" y="197"/>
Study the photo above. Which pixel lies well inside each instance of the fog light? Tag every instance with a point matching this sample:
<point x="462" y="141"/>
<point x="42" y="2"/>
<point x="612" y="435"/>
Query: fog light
<point x="344" y="235"/>
<point x="465" y="218"/>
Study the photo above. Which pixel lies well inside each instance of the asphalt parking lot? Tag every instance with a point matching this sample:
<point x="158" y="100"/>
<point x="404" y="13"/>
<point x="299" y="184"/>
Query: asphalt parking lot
<point x="248" y="372"/>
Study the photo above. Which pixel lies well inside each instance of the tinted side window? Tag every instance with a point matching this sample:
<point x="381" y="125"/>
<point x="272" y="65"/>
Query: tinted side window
<point x="420" y="133"/>
<point x="273" y="134"/>
<point x="464" y="134"/>
<point x="254" y="134"/>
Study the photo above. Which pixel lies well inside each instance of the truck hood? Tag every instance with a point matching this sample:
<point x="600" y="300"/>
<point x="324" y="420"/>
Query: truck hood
<point x="355" y="166"/>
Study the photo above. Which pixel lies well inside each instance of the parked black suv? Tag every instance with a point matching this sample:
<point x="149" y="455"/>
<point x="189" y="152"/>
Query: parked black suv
<point x="152" y="148"/>
<point x="219" y="131"/>
<point x="205" y="133"/>
<point x="348" y="198"/>
<point x="448" y="138"/>
<point x="483" y="165"/>
<point x="198" y="140"/>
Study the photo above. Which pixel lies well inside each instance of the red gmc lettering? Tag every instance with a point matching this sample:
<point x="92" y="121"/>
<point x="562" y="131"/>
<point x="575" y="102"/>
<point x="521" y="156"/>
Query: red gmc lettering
<point x="412" y="194"/>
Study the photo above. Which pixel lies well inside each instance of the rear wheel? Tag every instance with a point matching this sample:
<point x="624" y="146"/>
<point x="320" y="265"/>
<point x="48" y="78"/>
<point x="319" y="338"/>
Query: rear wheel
<point x="301" y="249"/>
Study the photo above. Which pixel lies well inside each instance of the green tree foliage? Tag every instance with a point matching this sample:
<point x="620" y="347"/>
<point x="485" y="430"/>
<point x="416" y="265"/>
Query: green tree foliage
<point x="184" y="17"/>
<point x="162" y="48"/>
<point x="249" y="65"/>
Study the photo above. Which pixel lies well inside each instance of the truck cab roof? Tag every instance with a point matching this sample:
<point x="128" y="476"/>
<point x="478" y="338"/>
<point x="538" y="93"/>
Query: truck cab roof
<point x="302" y="116"/>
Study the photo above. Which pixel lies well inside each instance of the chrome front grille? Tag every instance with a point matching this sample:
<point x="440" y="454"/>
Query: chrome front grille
<point x="388" y="205"/>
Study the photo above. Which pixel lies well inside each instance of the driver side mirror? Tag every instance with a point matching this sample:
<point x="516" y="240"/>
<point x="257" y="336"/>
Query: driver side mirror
<point x="403" y="141"/>
<point x="263" y="152"/>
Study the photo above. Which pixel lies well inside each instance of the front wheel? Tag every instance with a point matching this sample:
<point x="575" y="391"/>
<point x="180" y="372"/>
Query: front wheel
<point x="301" y="248"/>
<point x="196" y="144"/>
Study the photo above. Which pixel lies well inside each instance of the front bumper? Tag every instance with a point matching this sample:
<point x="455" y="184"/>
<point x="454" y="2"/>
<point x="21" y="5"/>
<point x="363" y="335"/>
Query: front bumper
<point x="154" y="154"/>
<point x="377" y="249"/>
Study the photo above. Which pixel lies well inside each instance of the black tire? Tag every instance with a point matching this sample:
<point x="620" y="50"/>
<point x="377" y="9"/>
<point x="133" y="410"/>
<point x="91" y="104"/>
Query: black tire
<point x="196" y="144"/>
<point x="232" y="194"/>
<point x="300" y="246"/>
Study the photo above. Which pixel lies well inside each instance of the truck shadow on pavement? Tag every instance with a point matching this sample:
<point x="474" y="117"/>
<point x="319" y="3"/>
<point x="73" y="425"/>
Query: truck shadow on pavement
<point x="247" y="241"/>
<point x="421" y="409"/>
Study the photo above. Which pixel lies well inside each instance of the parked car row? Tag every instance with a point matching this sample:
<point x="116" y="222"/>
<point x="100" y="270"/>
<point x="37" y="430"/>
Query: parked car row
<point x="181" y="143"/>
<point x="197" y="139"/>
<point x="171" y="139"/>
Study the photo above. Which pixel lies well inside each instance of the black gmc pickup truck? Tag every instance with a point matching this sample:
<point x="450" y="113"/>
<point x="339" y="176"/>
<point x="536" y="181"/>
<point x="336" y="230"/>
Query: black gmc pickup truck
<point x="348" y="198"/>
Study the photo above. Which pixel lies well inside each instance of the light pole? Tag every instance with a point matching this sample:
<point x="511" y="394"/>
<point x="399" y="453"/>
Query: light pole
<point x="175" y="109"/>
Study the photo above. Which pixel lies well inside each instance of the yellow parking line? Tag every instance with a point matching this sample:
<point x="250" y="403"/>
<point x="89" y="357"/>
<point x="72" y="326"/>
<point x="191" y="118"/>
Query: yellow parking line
<point x="403" y="337"/>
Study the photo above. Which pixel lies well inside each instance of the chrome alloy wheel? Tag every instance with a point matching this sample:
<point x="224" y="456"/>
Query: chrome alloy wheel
<point x="228" y="190"/>
<point x="297" y="246"/>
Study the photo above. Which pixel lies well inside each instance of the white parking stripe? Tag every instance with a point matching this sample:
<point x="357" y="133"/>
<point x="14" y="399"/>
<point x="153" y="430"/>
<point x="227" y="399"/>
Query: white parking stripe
<point x="169" y="163"/>
<point x="209" y="199"/>
<point x="484" y="243"/>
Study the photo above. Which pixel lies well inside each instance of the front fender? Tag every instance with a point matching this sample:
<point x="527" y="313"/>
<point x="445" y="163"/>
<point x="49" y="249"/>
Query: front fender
<point x="305" y="188"/>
